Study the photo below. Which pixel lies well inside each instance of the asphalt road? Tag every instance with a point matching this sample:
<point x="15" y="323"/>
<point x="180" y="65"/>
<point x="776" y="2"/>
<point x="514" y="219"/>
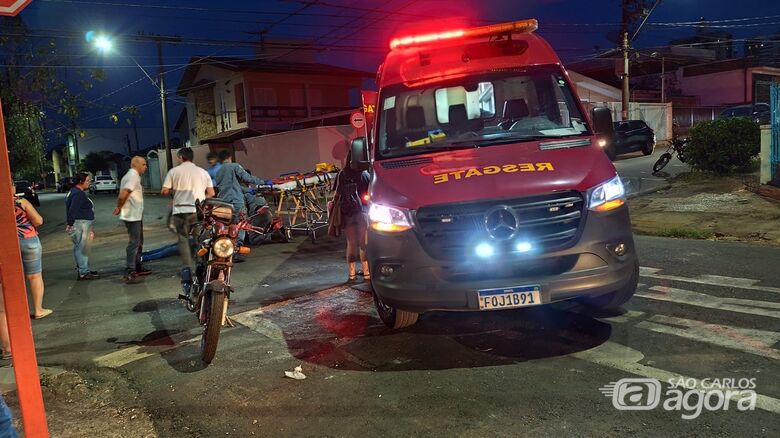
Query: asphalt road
<point x="636" y="171"/>
<point x="704" y="310"/>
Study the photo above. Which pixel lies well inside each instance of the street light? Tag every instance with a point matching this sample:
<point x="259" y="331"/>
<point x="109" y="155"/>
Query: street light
<point x="104" y="44"/>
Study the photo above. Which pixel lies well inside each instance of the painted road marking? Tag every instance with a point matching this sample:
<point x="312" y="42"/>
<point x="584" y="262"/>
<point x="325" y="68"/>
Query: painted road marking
<point x="753" y="341"/>
<point x="623" y="358"/>
<point x="131" y="354"/>
<point x="252" y="319"/>
<point x="711" y="280"/>
<point x="752" y="307"/>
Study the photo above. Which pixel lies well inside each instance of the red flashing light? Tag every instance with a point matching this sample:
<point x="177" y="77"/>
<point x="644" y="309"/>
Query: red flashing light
<point x="522" y="26"/>
<point x="426" y="38"/>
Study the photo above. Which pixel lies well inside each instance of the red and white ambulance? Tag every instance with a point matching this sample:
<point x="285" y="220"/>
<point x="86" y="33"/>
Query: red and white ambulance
<point x="489" y="189"/>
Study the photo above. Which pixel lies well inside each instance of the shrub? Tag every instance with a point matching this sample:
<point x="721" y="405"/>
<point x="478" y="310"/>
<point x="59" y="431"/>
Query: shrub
<point x="722" y="145"/>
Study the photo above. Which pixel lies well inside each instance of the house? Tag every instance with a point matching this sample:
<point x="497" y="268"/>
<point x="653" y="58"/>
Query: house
<point x="228" y="99"/>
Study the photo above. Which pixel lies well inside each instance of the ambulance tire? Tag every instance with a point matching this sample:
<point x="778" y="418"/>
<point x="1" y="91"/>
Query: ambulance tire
<point x="614" y="300"/>
<point x="392" y="317"/>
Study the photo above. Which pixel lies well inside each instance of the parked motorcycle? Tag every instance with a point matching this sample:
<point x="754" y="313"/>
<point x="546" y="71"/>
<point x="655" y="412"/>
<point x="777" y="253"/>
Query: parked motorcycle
<point x="208" y="292"/>
<point x="677" y="145"/>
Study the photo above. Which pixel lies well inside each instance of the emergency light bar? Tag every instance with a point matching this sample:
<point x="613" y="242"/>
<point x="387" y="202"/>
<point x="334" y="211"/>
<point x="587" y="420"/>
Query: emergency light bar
<point x="521" y="26"/>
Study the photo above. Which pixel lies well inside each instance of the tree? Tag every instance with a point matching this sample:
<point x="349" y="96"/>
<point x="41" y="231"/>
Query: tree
<point x="94" y="162"/>
<point x="30" y="87"/>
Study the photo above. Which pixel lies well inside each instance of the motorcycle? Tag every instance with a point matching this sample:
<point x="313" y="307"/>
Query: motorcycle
<point x="208" y="292"/>
<point x="677" y="146"/>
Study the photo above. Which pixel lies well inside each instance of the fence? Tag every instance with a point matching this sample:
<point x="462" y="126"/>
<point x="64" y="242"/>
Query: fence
<point x="774" y="152"/>
<point x="687" y="116"/>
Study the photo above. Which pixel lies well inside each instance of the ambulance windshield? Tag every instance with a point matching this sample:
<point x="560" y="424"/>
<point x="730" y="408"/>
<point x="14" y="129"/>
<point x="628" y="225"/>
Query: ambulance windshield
<point x="478" y="111"/>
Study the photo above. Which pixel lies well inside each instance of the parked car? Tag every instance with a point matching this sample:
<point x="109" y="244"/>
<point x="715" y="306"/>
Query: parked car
<point x="759" y="112"/>
<point x="103" y="183"/>
<point x="64" y="184"/>
<point x="630" y="136"/>
<point x="26" y="190"/>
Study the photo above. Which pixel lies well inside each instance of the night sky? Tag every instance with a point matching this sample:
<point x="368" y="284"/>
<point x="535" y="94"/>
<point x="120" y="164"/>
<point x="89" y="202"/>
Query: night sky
<point x="226" y="28"/>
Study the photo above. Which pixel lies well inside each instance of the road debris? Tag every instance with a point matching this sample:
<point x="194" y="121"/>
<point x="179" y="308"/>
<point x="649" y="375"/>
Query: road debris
<point x="296" y="374"/>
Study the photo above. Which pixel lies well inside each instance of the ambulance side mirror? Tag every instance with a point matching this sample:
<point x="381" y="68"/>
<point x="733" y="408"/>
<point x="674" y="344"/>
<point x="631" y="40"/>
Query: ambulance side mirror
<point x="359" y="155"/>
<point x="602" y="123"/>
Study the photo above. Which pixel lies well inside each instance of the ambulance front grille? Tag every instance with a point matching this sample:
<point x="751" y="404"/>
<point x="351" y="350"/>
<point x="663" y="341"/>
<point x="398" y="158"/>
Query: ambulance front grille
<point x="547" y="222"/>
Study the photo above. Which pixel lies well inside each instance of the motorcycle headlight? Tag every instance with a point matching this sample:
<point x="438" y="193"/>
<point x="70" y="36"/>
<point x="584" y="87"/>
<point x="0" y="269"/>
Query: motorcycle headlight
<point x="389" y="219"/>
<point x="223" y="248"/>
<point x="607" y="196"/>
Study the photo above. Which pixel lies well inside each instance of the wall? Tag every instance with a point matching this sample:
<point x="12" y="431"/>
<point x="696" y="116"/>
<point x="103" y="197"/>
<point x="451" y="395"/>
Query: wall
<point x="723" y="88"/>
<point x="591" y="90"/>
<point x="765" y="154"/>
<point x="658" y="116"/>
<point x="269" y="156"/>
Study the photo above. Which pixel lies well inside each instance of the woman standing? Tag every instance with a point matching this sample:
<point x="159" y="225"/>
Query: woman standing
<point x="80" y="213"/>
<point x="352" y="188"/>
<point x="27" y="222"/>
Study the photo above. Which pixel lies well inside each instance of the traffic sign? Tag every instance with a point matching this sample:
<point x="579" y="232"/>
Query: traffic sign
<point x="12" y="7"/>
<point x="357" y="120"/>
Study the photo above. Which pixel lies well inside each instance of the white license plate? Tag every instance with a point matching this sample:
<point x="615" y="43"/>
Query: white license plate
<point x="509" y="297"/>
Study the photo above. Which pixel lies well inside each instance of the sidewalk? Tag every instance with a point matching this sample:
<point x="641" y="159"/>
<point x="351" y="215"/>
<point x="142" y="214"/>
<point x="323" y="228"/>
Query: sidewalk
<point x="706" y="207"/>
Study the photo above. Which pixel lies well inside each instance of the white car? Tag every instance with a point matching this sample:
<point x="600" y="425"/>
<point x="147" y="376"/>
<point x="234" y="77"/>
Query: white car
<point x="103" y="183"/>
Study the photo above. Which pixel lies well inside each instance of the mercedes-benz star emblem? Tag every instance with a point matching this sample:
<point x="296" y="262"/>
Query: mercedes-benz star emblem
<point x="501" y="222"/>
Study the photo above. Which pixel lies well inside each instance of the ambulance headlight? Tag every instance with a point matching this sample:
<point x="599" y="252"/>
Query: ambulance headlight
<point x="484" y="250"/>
<point x="388" y="219"/>
<point x="607" y="196"/>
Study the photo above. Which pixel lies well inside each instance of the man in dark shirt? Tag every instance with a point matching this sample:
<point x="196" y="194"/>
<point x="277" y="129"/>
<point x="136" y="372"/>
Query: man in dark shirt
<point x="80" y="213"/>
<point x="229" y="179"/>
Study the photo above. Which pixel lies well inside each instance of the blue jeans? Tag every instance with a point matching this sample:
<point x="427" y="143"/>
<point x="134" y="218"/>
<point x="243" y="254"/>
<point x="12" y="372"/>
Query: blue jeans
<point x="81" y="244"/>
<point x="6" y="421"/>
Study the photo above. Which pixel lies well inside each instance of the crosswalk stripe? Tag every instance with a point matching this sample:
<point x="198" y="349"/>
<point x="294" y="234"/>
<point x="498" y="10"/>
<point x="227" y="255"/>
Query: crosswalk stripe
<point x="623" y="358"/>
<point x="752" y="307"/>
<point x="759" y="342"/>
<point x="711" y="280"/>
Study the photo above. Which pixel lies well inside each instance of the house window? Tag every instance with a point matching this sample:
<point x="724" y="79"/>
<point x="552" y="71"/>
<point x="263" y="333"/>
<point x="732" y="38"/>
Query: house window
<point x="238" y="91"/>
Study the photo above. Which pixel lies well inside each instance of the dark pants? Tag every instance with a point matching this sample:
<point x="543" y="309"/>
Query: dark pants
<point x="183" y="222"/>
<point x="135" y="232"/>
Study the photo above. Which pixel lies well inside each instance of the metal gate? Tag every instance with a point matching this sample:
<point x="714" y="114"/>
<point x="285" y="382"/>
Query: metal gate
<point x="774" y="152"/>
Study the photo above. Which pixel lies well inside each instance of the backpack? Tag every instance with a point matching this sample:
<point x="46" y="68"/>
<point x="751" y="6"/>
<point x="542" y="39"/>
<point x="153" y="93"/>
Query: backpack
<point x="350" y="199"/>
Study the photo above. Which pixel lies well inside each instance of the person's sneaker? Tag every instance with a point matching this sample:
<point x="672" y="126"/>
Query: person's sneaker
<point x="130" y="278"/>
<point x="142" y="271"/>
<point x="89" y="276"/>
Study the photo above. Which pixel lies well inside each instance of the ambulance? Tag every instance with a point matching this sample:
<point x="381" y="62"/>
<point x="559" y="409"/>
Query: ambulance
<point x="489" y="186"/>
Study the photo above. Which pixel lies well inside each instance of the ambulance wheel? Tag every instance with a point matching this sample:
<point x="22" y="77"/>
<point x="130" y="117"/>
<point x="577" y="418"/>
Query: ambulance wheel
<point x="392" y="317"/>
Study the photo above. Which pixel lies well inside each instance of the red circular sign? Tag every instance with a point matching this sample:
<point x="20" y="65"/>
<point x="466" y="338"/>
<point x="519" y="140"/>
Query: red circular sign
<point x="12" y="7"/>
<point x="357" y="120"/>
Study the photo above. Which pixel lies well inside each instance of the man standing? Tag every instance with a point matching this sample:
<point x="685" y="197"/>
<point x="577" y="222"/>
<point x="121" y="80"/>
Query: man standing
<point x="214" y="165"/>
<point x="229" y="179"/>
<point x="188" y="183"/>
<point x="80" y="214"/>
<point x="130" y="209"/>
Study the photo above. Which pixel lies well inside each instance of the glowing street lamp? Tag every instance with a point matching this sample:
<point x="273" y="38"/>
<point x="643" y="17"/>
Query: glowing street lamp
<point x="105" y="45"/>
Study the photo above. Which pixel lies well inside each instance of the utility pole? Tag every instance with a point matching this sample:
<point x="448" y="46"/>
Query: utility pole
<point x="168" y="156"/>
<point x="624" y="110"/>
<point x="663" y="80"/>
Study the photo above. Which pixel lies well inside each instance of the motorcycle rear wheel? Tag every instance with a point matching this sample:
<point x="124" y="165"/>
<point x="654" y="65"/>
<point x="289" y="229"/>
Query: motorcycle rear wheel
<point x="215" y="306"/>
<point x="662" y="162"/>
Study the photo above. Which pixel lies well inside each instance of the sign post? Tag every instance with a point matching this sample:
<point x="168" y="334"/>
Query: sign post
<point x="17" y="310"/>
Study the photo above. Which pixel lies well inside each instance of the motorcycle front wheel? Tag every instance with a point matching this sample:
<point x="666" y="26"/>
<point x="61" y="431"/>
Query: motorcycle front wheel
<point x="662" y="162"/>
<point x="215" y="306"/>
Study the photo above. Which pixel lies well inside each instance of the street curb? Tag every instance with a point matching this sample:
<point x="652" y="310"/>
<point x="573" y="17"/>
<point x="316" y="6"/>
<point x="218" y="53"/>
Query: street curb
<point x="649" y="191"/>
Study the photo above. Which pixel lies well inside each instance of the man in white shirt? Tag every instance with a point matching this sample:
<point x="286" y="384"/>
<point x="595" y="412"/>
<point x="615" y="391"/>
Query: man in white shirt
<point x="130" y="209"/>
<point x="188" y="183"/>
